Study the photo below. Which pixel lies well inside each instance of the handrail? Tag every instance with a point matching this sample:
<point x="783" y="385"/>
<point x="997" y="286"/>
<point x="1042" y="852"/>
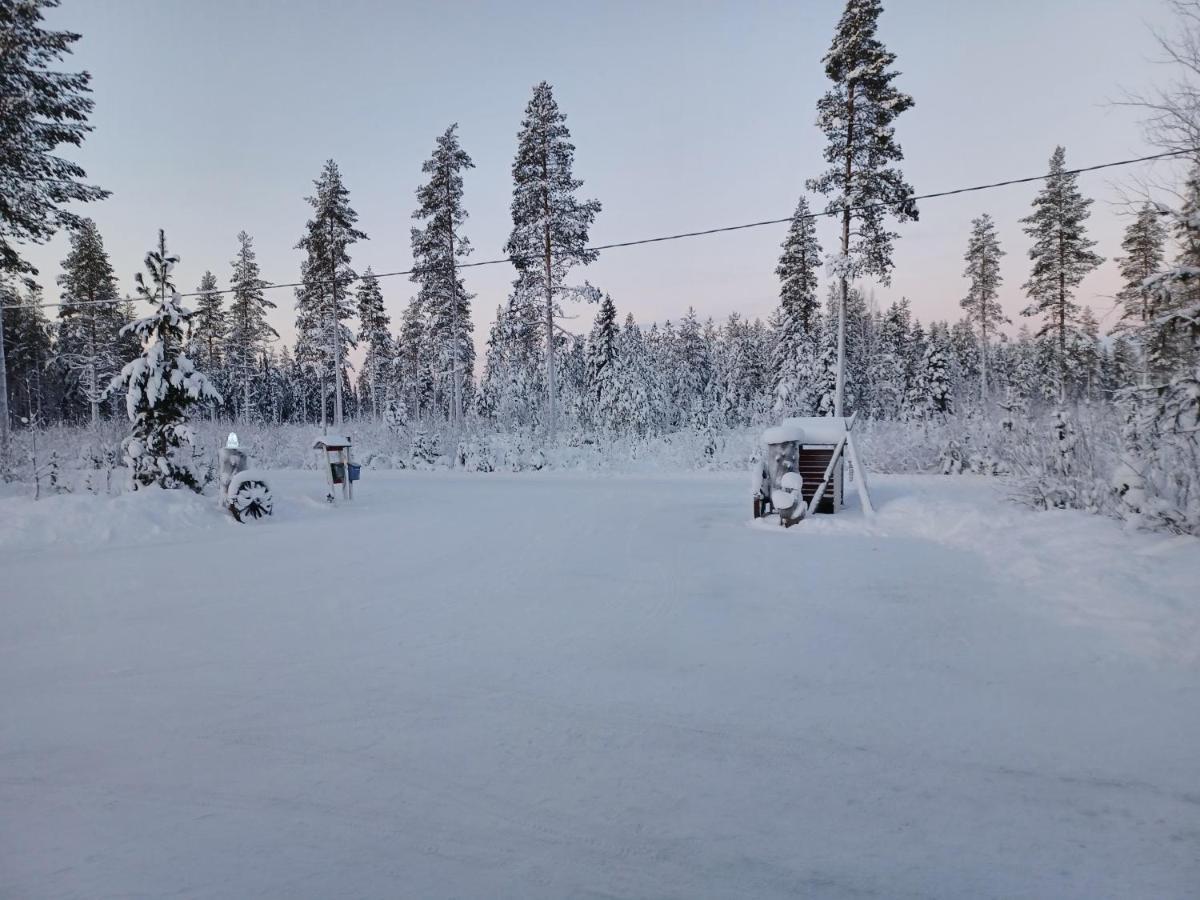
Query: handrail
<point x="837" y="452"/>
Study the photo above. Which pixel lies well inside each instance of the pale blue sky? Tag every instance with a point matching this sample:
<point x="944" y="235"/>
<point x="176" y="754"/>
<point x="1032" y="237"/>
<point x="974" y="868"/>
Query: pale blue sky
<point x="213" y="117"/>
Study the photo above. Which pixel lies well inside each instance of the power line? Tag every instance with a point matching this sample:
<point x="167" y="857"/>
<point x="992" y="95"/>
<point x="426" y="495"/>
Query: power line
<point x="831" y="211"/>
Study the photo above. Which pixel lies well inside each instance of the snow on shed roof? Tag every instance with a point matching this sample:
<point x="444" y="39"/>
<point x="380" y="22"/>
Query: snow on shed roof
<point x="815" y="429"/>
<point x="327" y="441"/>
<point x="781" y="434"/>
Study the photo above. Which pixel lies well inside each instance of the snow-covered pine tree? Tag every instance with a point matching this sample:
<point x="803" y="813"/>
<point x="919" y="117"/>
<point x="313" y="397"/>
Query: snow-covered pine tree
<point x="692" y="367"/>
<point x="42" y="110"/>
<point x="862" y="184"/>
<point x="90" y="318"/>
<point x="637" y="396"/>
<point x="210" y="325"/>
<point x="600" y="378"/>
<point x="324" y="301"/>
<point x="162" y="384"/>
<point x="374" y="331"/>
<point x="891" y="364"/>
<point x="1062" y="255"/>
<point x="1144" y="245"/>
<point x="249" y="331"/>
<point x="935" y="373"/>
<point x="25" y="351"/>
<point x="796" y="321"/>
<point x="410" y="364"/>
<point x="983" y="290"/>
<point x="437" y="249"/>
<point x="550" y="224"/>
<point x="1084" y="352"/>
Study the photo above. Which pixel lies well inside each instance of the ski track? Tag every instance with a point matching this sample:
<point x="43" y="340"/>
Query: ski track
<point x="556" y="685"/>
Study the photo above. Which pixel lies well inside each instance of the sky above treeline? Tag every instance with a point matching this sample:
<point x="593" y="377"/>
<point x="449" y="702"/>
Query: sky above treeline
<point x="216" y="117"/>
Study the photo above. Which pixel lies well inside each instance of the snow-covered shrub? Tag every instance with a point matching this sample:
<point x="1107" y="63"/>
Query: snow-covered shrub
<point x="424" y="451"/>
<point x="475" y="455"/>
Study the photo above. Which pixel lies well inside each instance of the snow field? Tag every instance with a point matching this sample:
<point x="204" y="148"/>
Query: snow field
<point x="553" y="685"/>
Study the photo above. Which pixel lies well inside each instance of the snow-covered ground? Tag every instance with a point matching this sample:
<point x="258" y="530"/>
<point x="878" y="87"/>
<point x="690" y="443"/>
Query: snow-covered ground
<point x="569" y="686"/>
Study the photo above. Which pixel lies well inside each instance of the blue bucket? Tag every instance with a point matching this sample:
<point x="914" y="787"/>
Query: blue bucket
<point x="336" y="468"/>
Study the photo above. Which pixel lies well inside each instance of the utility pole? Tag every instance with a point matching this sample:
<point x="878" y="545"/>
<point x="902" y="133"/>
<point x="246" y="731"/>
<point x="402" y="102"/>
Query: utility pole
<point x="840" y="392"/>
<point x="333" y="330"/>
<point x="4" y="295"/>
<point x="456" y="389"/>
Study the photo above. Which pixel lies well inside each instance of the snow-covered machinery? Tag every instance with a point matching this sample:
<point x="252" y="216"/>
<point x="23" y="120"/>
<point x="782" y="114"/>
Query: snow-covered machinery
<point x="242" y="491"/>
<point x="801" y="472"/>
<point x="339" y="470"/>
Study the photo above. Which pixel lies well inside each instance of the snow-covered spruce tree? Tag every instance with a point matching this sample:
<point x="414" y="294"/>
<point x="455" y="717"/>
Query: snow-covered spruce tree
<point x="1084" y="354"/>
<point x="892" y="366"/>
<point x="638" y="397"/>
<point x="550" y="223"/>
<point x="249" y="331"/>
<point x="936" y="375"/>
<point x="161" y="385"/>
<point x="1062" y="255"/>
<point x="1144" y="246"/>
<point x="374" y="331"/>
<point x="409" y="363"/>
<point x="600" y="378"/>
<point x="981" y="302"/>
<point x="42" y="110"/>
<point x="793" y="357"/>
<point x="691" y="364"/>
<point x="26" y="352"/>
<point x="210" y="325"/>
<point x="90" y="318"/>
<point x="438" y="247"/>
<point x="862" y="184"/>
<point x="324" y="301"/>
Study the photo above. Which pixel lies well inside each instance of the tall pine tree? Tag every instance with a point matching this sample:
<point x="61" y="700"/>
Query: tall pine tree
<point x="550" y="223"/>
<point x="373" y="330"/>
<point x="437" y="248"/>
<point x="1144" y="246"/>
<point x="209" y="324"/>
<point x="324" y="301"/>
<point x="249" y="331"/>
<point x="1062" y="255"/>
<point x="90" y="317"/>
<point x="862" y="184"/>
<point x="797" y="319"/>
<point x="981" y="302"/>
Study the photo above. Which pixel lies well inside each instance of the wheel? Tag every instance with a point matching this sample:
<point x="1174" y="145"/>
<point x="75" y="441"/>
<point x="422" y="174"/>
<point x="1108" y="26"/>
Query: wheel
<point x="252" y="500"/>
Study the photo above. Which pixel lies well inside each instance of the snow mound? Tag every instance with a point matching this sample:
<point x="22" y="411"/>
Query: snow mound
<point x="89" y="520"/>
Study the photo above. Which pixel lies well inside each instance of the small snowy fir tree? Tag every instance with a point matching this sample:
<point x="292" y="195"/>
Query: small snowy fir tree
<point x="550" y="224"/>
<point x="1062" y="255"/>
<point x="793" y="359"/>
<point x="984" y="280"/>
<point x="161" y="385"/>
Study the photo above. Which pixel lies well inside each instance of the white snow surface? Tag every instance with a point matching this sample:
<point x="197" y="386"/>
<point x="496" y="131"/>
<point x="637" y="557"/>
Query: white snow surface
<point x="818" y="429"/>
<point x="552" y="685"/>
